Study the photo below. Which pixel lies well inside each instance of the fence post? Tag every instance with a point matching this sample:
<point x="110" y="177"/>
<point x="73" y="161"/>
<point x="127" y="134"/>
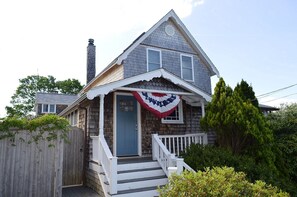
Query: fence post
<point x="113" y="176"/>
<point x="154" y="147"/>
<point x="58" y="167"/>
<point x="179" y="165"/>
<point x="205" y="140"/>
<point x="171" y="170"/>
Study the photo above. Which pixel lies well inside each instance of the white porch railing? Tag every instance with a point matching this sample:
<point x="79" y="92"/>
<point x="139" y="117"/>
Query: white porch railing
<point x="165" y="147"/>
<point x="161" y="154"/>
<point x="107" y="162"/>
<point x="179" y="143"/>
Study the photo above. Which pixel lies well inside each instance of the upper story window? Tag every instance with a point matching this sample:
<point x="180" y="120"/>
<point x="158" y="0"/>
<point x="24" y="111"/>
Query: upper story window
<point x="48" y="108"/>
<point x="153" y="59"/>
<point x="187" y="70"/>
<point x="176" y="117"/>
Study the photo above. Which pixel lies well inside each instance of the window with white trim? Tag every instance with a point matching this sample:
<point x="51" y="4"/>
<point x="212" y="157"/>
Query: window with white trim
<point x="73" y="118"/>
<point x="48" y="108"/>
<point x="187" y="70"/>
<point x="153" y="59"/>
<point x="176" y="117"/>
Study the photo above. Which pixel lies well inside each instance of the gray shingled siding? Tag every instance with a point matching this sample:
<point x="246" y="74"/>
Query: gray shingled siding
<point x="157" y="84"/>
<point x="135" y="63"/>
<point x="201" y="76"/>
<point x="160" y="39"/>
<point x="171" y="48"/>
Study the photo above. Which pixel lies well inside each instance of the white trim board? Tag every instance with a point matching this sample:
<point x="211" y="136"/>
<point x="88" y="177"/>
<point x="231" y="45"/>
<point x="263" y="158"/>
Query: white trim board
<point x="105" y="89"/>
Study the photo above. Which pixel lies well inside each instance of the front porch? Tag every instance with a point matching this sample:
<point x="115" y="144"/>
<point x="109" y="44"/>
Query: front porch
<point x="141" y="176"/>
<point x="160" y="126"/>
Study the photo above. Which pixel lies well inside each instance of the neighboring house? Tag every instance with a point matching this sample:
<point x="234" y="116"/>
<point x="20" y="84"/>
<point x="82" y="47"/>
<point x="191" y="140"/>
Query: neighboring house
<point x="52" y="102"/>
<point x="143" y="109"/>
<point x="266" y="109"/>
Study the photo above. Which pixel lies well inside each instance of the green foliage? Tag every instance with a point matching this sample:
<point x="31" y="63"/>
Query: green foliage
<point x="237" y="122"/>
<point x="46" y="127"/>
<point x="23" y="99"/>
<point x="284" y="121"/>
<point x="69" y="86"/>
<point x="246" y="92"/>
<point x="199" y="157"/>
<point x="284" y="126"/>
<point x="216" y="182"/>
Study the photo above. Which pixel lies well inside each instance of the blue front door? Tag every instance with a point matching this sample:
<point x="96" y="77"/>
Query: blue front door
<point x="126" y="129"/>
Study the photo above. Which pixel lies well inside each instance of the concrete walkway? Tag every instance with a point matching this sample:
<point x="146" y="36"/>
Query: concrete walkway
<point x="79" y="191"/>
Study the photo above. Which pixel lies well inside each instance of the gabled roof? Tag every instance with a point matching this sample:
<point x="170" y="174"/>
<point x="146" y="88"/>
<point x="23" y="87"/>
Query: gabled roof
<point x="267" y="107"/>
<point x="106" y="88"/>
<point x="170" y="15"/>
<point x="54" y="98"/>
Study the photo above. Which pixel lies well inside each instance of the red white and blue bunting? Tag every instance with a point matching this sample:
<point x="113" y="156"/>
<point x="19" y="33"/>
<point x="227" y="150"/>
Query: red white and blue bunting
<point x="159" y="104"/>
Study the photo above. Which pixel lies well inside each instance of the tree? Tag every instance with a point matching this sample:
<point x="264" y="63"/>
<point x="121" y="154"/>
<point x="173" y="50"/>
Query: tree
<point x="69" y="86"/>
<point x="237" y="122"/>
<point x="24" y="97"/>
<point x="246" y="92"/>
<point x="284" y="121"/>
<point x="284" y="126"/>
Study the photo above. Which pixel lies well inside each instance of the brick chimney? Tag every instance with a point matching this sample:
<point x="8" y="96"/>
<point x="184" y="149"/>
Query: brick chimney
<point x="91" y="60"/>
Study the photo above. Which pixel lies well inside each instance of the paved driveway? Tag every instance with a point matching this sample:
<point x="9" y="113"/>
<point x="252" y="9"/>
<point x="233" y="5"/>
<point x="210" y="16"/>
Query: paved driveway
<point x="79" y="191"/>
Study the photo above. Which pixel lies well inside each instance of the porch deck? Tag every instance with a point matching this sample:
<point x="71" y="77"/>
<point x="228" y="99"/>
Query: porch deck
<point x="79" y="191"/>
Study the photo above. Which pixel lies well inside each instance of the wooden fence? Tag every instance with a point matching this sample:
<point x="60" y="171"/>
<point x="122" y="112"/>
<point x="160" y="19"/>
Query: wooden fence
<point x="73" y="158"/>
<point x="30" y="170"/>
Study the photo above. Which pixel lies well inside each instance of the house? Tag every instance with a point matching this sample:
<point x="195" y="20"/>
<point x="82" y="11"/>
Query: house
<point x="52" y="102"/>
<point x="266" y="109"/>
<point x="143" y="110"/>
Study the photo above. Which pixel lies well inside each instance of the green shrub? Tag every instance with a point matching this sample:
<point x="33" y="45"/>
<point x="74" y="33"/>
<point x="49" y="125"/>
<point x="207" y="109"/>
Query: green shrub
<point x="200" y="157"/>
<point x="44" y="127"/>
<point x="216" y="182"/>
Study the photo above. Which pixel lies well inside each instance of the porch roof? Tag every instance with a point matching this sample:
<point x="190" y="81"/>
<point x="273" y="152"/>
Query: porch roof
<point x="190" y="96"/>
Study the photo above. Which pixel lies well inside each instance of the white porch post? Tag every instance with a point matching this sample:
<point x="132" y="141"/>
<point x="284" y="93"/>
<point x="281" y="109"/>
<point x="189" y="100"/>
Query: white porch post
<point x="202" y="108"/>
<point x="101" y="115"/>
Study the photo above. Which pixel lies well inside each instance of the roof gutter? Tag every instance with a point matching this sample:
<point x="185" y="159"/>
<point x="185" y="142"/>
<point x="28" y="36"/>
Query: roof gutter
<point x="74" y="104"/>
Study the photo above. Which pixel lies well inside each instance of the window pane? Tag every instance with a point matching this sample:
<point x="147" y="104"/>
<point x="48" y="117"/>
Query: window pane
<point x="153" y="60"/>
<point x="174" y="115"/>
<point x="154" y="56"/>
<point x="187" y="62"/>
<point x="45" y="108"/>
<point x="187" y="68"/>
<point x="52" y="108"/>
<point x="75" y="118"/>
<point x="187" y="74"/>
<point x="152" y="66"/>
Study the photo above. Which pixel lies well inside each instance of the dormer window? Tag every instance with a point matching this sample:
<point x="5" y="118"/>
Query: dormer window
<point x="48" y="108"/>
<point x="153" y="59"/>
<point x="187" y="70"/>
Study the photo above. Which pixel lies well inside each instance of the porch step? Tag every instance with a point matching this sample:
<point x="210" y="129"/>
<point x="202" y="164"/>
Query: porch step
<point x="144" y="173"/>
<point x="140" y="179"/>
<point x="138" y="166"/>
<point x="143" y="192"/>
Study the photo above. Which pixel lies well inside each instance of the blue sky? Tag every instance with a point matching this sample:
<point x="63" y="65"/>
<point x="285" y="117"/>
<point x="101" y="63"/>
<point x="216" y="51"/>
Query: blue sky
<point x="251" y="40"/>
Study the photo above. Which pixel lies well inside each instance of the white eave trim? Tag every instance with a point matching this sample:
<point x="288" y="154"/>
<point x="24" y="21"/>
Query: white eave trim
<point x="105" y="89"/>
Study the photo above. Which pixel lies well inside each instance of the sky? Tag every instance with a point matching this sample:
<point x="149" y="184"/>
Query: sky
<point x="251" y="40"/>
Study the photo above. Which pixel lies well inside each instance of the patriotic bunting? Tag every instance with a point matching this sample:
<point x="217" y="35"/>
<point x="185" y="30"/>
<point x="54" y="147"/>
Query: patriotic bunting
<point x="159" y="104"/>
